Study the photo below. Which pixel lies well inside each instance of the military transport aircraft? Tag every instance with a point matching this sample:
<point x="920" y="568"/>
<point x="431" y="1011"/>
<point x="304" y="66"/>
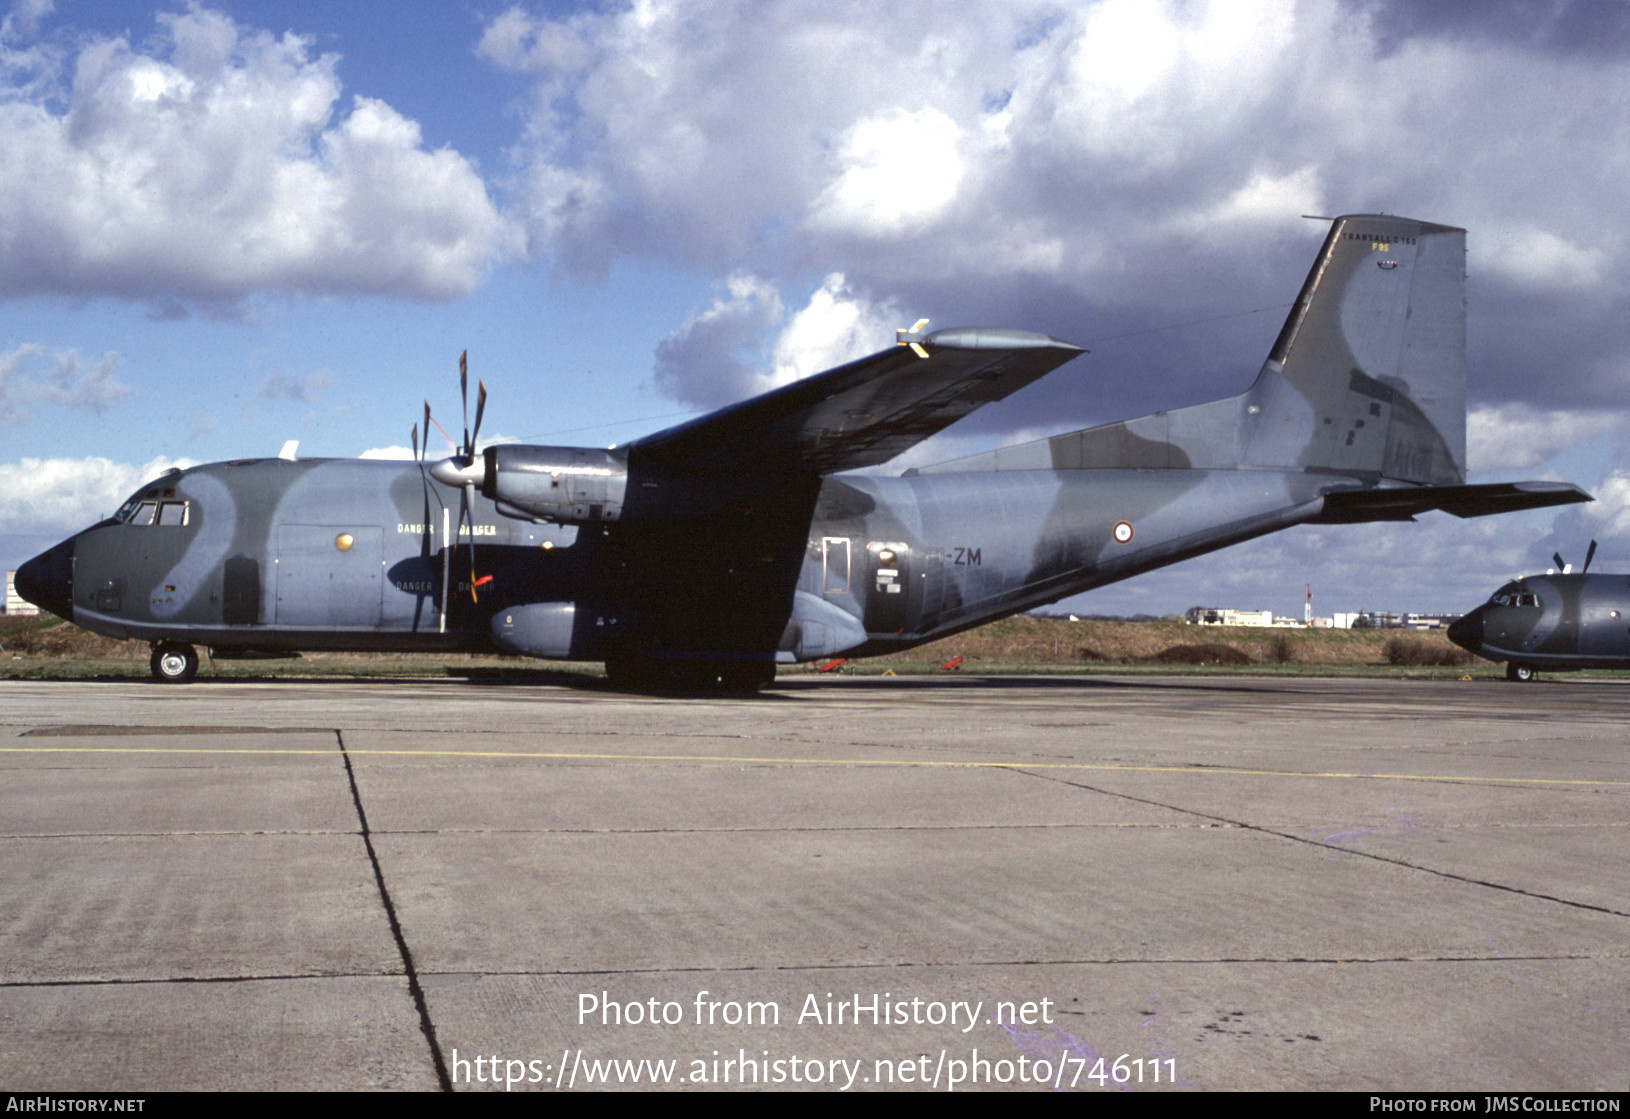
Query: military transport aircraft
<point x="707" y="554"/>
<point x="1559" y="621"/>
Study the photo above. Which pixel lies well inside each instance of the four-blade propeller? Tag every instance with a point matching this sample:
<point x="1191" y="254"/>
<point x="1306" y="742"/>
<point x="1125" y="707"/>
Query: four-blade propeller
<point x="1590" y="554"/>
<point x="462" y="469"/>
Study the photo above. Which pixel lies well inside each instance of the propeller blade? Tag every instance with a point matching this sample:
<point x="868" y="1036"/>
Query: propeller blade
<point x="426" y="428"/>
<point x="1557" y="556"/>
<point x="1590" y="554"/>
<point x="468" y="516"/>
<point x="464" y="397"/>
<point x="415" y="442"/>
<point x="480" y="407"/>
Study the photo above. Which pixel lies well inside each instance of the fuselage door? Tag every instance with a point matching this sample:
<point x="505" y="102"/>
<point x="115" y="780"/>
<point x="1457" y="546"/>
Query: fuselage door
<point x="888" y="598"/>
<point x="329" y="575"/>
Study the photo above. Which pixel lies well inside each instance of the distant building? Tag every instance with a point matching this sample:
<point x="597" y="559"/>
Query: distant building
<point x="1378" y="619"/>
<point x="1222" y="616"/>
<point x="1429" y="621"/>
<point x="15" y="603"/>
<point x="1358" y="619"/>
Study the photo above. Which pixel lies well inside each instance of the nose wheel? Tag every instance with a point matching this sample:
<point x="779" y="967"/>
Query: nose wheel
<point x="1519" y="672"/>
<point x="173" y="662"/>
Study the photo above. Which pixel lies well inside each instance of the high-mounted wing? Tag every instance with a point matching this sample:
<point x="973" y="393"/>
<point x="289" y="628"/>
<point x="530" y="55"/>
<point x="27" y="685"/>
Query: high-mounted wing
<point x="863" y="413"/>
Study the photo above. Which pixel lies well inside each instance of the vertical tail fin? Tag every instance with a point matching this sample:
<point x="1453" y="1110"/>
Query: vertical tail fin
<point x="1366" y="381"/>
<point x="1368" y="376"/>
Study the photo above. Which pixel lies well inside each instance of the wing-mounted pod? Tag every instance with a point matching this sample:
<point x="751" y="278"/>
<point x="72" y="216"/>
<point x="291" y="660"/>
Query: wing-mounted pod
<point x="567" y="485"/>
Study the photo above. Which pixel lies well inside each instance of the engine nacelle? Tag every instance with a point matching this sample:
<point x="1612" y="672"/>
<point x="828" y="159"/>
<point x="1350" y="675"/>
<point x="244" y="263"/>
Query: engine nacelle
<point x="567" y="485"/>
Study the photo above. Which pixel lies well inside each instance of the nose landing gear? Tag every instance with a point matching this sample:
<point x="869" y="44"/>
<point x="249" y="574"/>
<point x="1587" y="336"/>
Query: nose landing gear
<point x="173" y="662"/>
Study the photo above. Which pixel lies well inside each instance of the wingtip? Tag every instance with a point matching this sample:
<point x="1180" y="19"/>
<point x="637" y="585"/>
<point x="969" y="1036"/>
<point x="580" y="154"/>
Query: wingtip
<point x="1553" y="488"/>
<point x="997" y="338"/>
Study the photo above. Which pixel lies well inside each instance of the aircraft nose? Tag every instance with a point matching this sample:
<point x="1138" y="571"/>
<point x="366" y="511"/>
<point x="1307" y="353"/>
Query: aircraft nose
<point x="47" y="580"/>
<point x="1467" y="632"/>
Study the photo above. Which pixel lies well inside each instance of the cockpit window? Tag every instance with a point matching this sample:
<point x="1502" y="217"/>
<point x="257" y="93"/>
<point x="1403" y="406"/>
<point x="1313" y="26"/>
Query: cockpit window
<point x="135" y="512"/>
<point x="1507" y="598"/>
<point x="144" y="506"/>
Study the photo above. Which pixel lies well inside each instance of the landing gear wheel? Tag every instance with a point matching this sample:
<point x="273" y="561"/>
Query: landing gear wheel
<point x="631" y="673"/>
<point x="1521" y="673"/>
<point x="746" y="678"/>
<point x="173" y="662"/>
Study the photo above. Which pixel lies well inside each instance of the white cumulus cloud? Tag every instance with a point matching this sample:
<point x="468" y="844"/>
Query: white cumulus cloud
<point x="222" y="162"/>
<point x="1084" y="142"/>
<point x="1519" y="436"/>
<point x="899" y="172"/>
<point x="836" y="326"/>
<point x="1610" y="515"/>
<point x="63" y="495"/>
<point x="746" y="342"/>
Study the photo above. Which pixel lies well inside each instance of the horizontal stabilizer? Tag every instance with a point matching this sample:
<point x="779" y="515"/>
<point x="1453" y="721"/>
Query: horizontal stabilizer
<point x="1355" y="506"/>
<point x="860" y="414"/>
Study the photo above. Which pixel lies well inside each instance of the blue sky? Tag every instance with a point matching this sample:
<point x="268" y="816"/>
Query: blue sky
<point x="224" y="226"/>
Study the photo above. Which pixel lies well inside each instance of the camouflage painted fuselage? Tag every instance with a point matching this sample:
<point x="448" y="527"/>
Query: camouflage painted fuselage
<point x="1552" y="622"/>
<point x="339" y="554"/>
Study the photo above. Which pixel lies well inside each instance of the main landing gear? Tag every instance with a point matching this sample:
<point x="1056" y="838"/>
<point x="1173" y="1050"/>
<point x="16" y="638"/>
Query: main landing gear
<point x="647" y="674"/>
<point x="173" y="662"/>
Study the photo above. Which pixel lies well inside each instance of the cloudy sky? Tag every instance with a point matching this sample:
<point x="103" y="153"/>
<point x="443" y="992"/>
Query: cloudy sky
<point x="225" y="226"/>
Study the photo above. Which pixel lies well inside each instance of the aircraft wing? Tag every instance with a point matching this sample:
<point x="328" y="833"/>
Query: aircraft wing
<point x="1401" y="504"/>
<point x="863" y="413"/>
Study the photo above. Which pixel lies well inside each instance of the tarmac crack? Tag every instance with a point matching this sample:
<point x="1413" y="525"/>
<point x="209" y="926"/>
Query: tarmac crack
<point x="1445" y="874"/>
<point x="426" y="1026"/>
<point x="441" y="977"/>
<point x="1027" y="961"/>
<point x="787" y="829"/>
<point x="149" y="980"/>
